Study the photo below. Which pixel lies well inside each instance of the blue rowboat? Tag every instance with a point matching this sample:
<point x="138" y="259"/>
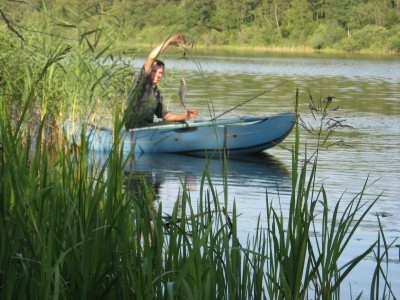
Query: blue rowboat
<point x="235" y="136"/>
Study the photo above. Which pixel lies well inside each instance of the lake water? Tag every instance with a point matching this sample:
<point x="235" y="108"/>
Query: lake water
<point x="367" y="92"/>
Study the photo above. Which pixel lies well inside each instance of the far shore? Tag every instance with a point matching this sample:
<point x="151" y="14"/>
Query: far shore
<point x="271" y="49"/>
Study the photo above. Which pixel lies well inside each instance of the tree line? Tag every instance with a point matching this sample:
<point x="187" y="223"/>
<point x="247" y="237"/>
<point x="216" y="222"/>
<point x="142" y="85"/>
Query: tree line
<point x="348" y="25"/>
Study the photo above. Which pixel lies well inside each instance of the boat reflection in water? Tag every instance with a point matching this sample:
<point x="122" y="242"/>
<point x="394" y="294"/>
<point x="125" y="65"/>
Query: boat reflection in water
<point x="248" y="177"/>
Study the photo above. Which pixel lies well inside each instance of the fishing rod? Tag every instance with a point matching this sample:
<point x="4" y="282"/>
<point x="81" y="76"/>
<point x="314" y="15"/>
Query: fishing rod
<point x="248" y="100"/>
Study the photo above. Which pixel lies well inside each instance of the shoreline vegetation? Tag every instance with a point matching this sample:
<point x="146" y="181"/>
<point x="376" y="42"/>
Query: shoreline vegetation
<point x="246" y="50"/>
<point x="292" y="49"/>
<point x="289" y="26"/>
<point x="237" y="49"/>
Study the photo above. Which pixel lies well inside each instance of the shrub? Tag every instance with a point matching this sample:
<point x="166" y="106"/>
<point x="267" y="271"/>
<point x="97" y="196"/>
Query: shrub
<point x="394" y="39"/>
<point x="370" y="37"/>
<point x="326" y="36"/>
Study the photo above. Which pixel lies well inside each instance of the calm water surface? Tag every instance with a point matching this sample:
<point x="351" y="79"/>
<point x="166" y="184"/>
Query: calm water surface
<point x="367" y="92"/>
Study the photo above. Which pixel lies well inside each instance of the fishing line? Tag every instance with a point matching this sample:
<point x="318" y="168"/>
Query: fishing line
<point x="248" y="100"/>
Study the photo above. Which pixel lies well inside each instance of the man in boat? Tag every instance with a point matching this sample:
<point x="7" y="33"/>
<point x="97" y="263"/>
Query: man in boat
<point x="145" y="99"/>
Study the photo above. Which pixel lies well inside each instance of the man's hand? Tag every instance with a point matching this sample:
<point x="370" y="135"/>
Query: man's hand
<point x="192" y="113"/>
<point x="177" y="40"/>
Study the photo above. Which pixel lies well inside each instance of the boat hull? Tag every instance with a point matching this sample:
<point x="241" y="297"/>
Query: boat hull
<point x="204" y="138"/>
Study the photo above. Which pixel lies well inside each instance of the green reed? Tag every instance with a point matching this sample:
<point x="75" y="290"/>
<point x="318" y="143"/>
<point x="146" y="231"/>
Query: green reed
<point x="72" y="228"/>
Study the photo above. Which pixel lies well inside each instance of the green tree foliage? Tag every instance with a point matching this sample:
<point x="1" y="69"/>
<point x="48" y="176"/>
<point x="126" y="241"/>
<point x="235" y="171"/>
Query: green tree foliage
<point x="198" y="12"/>
<point x="368" y="14"/>
<point x="228" y="14"/>
<point x="316" y="23"/>
<point x="299" y="18"/>
<point x="341" y="11"/>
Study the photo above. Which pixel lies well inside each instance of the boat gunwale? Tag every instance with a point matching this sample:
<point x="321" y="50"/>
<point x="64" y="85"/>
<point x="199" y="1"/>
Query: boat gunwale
<point x="209" y="123"/>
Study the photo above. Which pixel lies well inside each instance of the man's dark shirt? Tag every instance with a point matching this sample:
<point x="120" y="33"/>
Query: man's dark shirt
<point x="149" y="102"/>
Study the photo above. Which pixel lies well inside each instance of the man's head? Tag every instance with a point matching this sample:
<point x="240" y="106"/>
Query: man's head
<point x="157" y="71"/>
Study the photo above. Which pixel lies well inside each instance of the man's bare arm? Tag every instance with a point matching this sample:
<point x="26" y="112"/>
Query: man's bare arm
<point x="174" y="40"/>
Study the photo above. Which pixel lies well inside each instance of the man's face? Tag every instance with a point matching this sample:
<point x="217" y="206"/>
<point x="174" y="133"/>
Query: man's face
<point x="157" y="73"/>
